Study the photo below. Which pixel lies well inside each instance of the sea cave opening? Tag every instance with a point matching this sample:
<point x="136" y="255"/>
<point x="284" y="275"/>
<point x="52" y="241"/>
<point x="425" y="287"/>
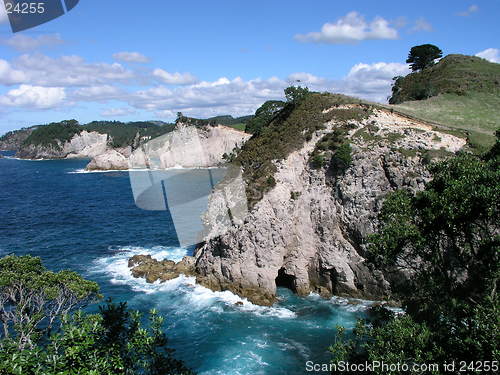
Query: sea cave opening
<point x="286" y="281"/>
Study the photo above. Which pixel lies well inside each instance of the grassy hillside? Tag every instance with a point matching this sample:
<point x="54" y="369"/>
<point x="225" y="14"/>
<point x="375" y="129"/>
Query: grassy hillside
<point x="461" y="92"/>
<point x="476" y="112"/>
<point x="457" y="74"/>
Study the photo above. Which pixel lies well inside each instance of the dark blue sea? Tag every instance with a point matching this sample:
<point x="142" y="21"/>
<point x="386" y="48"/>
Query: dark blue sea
<point x="89" y="223"/>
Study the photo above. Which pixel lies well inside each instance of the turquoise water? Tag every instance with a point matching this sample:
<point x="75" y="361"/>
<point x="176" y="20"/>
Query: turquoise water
<point x="88" y="222"/>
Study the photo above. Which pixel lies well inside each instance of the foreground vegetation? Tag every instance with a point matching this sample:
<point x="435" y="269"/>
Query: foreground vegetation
<point x="447" y="238"/>
<point x="46" y="332"/>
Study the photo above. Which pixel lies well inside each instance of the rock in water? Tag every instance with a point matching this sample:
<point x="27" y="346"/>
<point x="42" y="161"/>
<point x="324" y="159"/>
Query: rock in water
<point x="145" y="266"/>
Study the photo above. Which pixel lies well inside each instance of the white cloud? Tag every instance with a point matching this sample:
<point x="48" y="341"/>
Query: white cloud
<point x="238" y="97"/>
<point x="68" y="71"/>
<point x="116" y="112"/>
<point x="351" y="28"/>
<point x="22" y="42"/>
<point x="174" y="78"/>
<point x="422" y="25"/>
<point x="10" y="76"/>
<point x="471" y="9"/>
<point x="98" y="93"/>
<point x="490" y="54"/>
<point x="224" y="95"/>
<point x="372" y="81"/>
<point x="34" y="97"/>
<point x="73" y="80"/>
<point x="134" y="57"/>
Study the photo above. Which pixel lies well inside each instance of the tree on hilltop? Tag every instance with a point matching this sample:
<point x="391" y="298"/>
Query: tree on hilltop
<point x="423" y="56"/>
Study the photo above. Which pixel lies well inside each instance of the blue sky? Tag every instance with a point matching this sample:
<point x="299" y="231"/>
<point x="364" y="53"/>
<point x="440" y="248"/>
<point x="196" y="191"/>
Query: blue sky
<point x="130" y="60"/>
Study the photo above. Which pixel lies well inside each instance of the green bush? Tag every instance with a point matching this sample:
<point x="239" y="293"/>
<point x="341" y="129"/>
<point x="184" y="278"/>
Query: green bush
<point x="447" y="237"/>
<point x="318" y="161"/>
<point x="343" y="156"/>
<point x="42" y="333"/>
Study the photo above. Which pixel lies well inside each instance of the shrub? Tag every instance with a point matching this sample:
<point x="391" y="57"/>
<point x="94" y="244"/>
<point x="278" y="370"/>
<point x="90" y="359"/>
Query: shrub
<point x="318" y="161"/>
<point x="342" y="157"/>
<point x="42" y="333"/>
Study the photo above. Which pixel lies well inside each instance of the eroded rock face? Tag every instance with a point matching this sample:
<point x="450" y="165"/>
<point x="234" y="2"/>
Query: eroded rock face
<point x="12" y="141"/>
<point x="110" y="160"/>
<point x="187" y="147"/>
<point x="82" y="145"/>
<point x="144" y="266"/>
<point x="308" y="233"/>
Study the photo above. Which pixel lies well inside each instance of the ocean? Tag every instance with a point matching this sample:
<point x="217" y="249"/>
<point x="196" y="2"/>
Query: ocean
<point x="89" y="223"/>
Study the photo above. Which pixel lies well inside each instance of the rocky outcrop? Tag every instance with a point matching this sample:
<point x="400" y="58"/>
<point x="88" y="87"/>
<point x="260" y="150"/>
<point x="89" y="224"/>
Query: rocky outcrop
<point x="187" y="146"/>
<point x="86" y="145"/>
<point x="145" y="266"/>
<point x="82" y="145"/>
<point x="13" y="140"/>
<point x="110" y="160"/>
<point x="308" y="233"/>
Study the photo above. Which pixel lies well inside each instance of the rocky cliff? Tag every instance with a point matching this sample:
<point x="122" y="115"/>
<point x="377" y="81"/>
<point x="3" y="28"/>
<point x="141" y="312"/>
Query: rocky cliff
<point x="187" y="146"/>
<point x="82" y="145"/>
<point x="308" y="232"/>
<point x="13" y="140"/>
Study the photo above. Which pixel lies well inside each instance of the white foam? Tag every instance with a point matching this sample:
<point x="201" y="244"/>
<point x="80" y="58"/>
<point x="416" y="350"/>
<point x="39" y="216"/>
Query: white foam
<point x="14" y="158"/>
<point x="194" y="295"/>
<point x="85" y="171"/>
<point x="356" y="304"/>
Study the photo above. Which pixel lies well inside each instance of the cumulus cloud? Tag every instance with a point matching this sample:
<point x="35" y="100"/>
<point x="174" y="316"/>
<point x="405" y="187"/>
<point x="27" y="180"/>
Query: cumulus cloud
<point x="422" y="25"/>
<point x="351" y="28"/>
<point x="34" y="97"/>
<point x="9" y="75"/>
<point x="134" y="57"/>
<point x="22" y="42"/>
<point x="470" y="10"/>
<point x="237" y="96"/>
<point x="490" y="54"/>
<point x="68" y="71"/>
<point x="174" y="78"/>
<point x="98" y="93"/>
<point x="74" y="80"/>
<point x="116" y="112"/>
<point x="372" y="81"/>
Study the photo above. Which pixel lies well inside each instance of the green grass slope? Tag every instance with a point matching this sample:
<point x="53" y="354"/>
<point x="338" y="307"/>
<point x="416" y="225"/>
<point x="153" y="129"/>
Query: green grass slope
<point x="478" y="113"/>
<point x="461" y="92"/>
